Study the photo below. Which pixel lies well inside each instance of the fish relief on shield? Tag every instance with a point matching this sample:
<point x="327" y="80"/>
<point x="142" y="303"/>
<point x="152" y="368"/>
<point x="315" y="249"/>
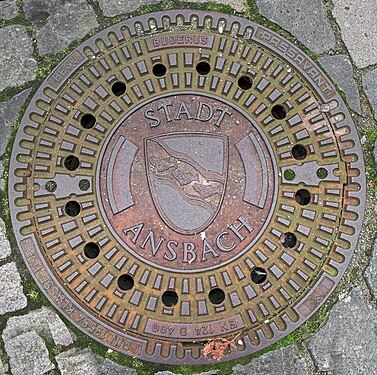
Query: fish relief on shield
<point x="187" y="175"/>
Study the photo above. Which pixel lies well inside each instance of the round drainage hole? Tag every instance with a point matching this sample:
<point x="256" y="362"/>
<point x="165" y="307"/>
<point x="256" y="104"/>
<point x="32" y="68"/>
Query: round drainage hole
<point x="51" y="186"/>
<point x="84" y="184"/>
<point x="169" y="298"/>
<point x="322" y="173"/>
<point x="289" y="174"/>
<point x="71" y="162"/>
<point x="159" y="70"/>
<point x="258" y="275"/>
<point x="216" y="296"/>
<point x="289" y="240"/>
<point x="303" y="197"/>
<point x="118" y="88"/>
<point x="299" y="152"/>
<point x="203" y="68"/>
<point x="88" y="121"/>
<point x="278" y="112"/>
<point x="126" y="282"/>
<point x="91" y="250"/>
<point x="245" y="83"/>
<point x="72" y="208"/>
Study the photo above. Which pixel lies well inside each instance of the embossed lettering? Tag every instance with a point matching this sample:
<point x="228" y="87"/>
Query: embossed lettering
<point x="243" y="224"/>
<point x="156" y="120"/>
<point x="150" y="239"/>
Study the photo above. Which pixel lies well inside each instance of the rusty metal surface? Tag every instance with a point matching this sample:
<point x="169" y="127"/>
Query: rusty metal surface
<point x="183" y="176"/>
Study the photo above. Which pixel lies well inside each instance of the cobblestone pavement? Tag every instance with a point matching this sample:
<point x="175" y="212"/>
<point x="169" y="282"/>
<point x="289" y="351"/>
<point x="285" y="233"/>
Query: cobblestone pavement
<point x="342" y="36"/>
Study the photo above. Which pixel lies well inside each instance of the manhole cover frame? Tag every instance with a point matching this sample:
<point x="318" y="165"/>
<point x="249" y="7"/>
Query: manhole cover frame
<point x="148" y="25"/>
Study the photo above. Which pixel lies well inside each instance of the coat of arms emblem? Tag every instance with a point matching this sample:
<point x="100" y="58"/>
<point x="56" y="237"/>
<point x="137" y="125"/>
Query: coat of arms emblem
<point x="187" y="174"/>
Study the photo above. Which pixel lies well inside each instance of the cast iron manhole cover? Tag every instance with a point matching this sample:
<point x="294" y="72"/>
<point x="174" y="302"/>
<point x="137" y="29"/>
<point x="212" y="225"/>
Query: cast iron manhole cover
<point x="185" y="176"/>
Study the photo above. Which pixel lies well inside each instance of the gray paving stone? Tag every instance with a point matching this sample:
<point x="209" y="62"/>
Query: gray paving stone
<point x="59" y="22"/>
<point x="28" y="355"/>
<point x="5" y="249"/>
<point x="77" y="362"/>
<point x="111" y="8"/>
<point x="8" y="114"/>
<point x="17" y="65"/>
<point x="283" y="361"/>
<point x="44" y="321"/>
<point x="307" y="23"/>
<point x="370" y="87"/>
<point x="12" y="297"/>
<point x="111" y="368"/>
<point x="357" y="21"/>
<point x="8" y="9"/>
<point x="371" y="272"/>
<point x="340" y="69"/>
<point x="347" y="343"/>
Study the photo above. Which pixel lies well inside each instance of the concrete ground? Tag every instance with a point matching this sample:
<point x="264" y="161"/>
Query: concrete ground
<point x="341" y="35"/>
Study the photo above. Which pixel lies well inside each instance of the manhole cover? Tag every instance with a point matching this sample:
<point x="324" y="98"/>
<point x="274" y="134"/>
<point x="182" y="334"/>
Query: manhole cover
<point x="186" y="176"/>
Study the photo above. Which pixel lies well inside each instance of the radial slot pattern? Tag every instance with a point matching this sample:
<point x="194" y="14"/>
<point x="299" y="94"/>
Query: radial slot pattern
<point x="184" y="176"/>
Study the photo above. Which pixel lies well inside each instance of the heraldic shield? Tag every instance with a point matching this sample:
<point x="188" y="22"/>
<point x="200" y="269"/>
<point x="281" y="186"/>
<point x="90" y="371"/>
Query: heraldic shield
<point x="187" y="175"/>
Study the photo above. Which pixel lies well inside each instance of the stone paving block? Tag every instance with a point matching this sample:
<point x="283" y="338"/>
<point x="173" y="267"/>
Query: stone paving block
<point x="8" y="9"/>
<point x="28" y="355"/>
<point x="44" y="321"/>
<point x="111" y="8"/>
<point x="59" y="22"/>
<point x="357" y="21"/>
<point x="370" y="87"/>
<point x="307" y="23"/>
<point x="340" y="69"/>
<point x="282" y="361"/>
<point x="371" y="272"/>
<point x="111" y="368"/>
<point x="8" y="114"/>
<point x="17" y="65"/>
<point x="5" y="249"/>
<point x="12" y="297"/>
<point x="77" y="362"/>
<point x="347" y="343"/>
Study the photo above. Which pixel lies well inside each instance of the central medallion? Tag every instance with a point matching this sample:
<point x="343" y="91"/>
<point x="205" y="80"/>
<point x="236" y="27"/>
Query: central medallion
<point x="187" y="182"/>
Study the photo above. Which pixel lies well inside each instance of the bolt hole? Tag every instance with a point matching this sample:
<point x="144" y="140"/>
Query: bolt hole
<point x="84" y="184"/>
<point x="245" y="83"/>
<point x="71" y="162"/>
<point x="322" y="173"/>
<point x="91" y="250"/>
<point x="88" y="121"/>
<point x="289" y="174"/>
<point x="203" y="68"/>
<point x="126" y="282"/>
<point x="258" y="275"/>
<point x="278" y="112"/>
<point x="216" y="296"/>
<point x="51" y="186"/>
<point x="299" y="152"/>
<point x="169" y="298"/>
<point x="289" y="240"/>
<point x="159" y="70"/>
<point x="72" y="208"/>
<point x="303" y="197"/>
<point x="118" y="88"/>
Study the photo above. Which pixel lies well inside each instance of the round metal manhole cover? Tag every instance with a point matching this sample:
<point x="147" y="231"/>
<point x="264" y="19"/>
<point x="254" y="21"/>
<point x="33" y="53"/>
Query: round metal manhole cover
<point x="187" y="176"/>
